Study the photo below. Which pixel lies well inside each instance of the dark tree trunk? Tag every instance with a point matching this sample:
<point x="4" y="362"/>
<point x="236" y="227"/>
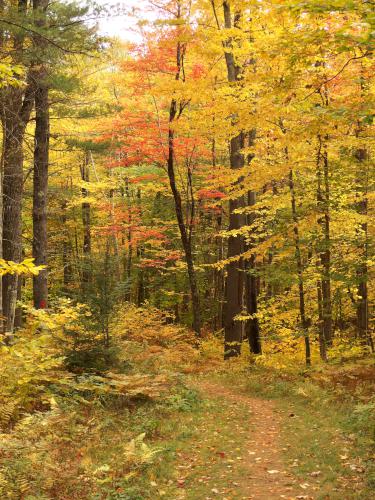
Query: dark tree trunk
<point x="40" y="193"/>
<point x="12" y="207"/>
<point x="233" y="329"/>
<point x="86" y="222"/>
<point x="185" y="229"/>
<point x="186" y="241"/>
<point x="41" y="159"/>
<point x="16" y="107"/>
<point x="252" y="325"/>
<point x="66" y="252"/>
<point x="298" y="257"/>
<point x="140" y="251"/>
<point x="322" y="340"/>
<point x="251" y="290"/>
<point x="323" y="201"/>
<point x="218" y="274"/>
<point x="234" y="288"/>
<point x="2" y="5"/>
<point x="362" y="307"/>
<point x="16" y="115"/>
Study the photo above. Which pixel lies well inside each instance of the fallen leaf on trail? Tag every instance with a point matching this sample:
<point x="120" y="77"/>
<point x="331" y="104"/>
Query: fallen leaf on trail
<point x="315" y="473"/>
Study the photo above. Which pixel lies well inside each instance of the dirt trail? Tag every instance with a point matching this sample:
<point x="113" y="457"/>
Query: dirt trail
<point x="258" y="471"/>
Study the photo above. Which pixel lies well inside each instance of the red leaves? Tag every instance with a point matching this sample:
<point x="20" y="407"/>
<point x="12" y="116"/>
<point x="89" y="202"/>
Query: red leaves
<point x="198" y="71"/>
<point x="150" y="234"/>
<point x="162" y="260"/>
<point x="210" y="194"/>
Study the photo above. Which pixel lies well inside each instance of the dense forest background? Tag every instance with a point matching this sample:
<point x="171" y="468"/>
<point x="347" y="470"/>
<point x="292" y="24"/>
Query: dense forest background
<point x="204" y="193"/>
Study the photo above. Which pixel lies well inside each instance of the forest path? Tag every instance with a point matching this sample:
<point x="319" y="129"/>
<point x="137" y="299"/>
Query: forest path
<point x="239" y="453"/>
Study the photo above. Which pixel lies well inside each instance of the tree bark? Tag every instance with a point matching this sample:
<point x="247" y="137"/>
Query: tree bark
<point x="66" y="252"/>
<point x="323" y="202"/>
<point x="175" y="111"/>
<point x="40" y="195"/>
<point x="234" y="288"/>
<point x="252" y="325"/>
<point x="41" y="160"/>
<point x="86" y="222"/>
<point x="16" y="106"/>
<point x="16" y="113"/>
<point x="322" y="340"/>
<point x="186" y="241"/>
<point x="252" y="329"/>
<point x="298" y="257"/>
<point x="233" y="329"/>
<point x="362" y="307"/>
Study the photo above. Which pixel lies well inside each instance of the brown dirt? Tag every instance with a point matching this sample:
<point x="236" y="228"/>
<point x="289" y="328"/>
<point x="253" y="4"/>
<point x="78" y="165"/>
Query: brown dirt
<point x="264" y="474"/>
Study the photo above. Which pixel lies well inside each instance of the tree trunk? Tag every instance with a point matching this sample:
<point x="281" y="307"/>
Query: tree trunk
<point x="16" y="106"/>
<point x="40" y="191"/>
<point x="186" y="241"/>
<point x="86" y="222"/>
<point x="323" y="202"/>
<point x="66" y="252"/>
<point x="251" y="290"/>
<point x="185" y="232"/>
<point x="362" y="308"/>
<point x="12" y="205"/>
<point x="322" y="340"/>
<point x="252" y="325"/>
<point x="233" y="329"/>
<point x="41" y="158"/>
<point x="234" y="288"/>
<point x="298" y="257"/>
<point x="1" y="182"/>
<point x="140" y="252"/>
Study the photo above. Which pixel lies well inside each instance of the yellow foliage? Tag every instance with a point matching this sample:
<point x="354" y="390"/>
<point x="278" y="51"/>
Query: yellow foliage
<point x="27" y="267"/>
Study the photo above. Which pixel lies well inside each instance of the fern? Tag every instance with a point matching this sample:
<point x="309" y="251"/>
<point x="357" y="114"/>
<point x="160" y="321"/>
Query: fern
<point x="7" y="411"/>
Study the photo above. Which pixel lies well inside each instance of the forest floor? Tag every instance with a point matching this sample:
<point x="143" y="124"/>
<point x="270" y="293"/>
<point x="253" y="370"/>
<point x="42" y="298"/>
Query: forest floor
<point x="238" y="431"/>
<point x="286" y="442"/>
<point x="239" y="453"/>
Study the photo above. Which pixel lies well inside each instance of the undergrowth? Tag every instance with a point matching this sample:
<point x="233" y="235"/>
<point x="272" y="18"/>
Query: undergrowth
<point x="81" y="417"/>
<point x="87" y="416"/>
